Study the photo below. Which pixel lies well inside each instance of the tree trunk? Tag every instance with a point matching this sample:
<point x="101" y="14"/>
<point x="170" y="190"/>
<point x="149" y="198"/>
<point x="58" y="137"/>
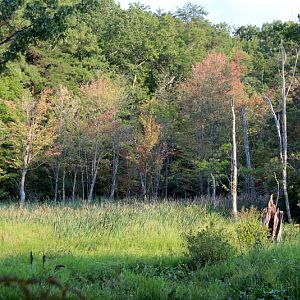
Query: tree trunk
<point x="56" y="179"/>
<point x="278" y="188"/>
<point x="90" y="197"/>
<point x="82" y="183"/>
<point x="234" y="163"/>
<point x="250" y="183"/>
<point x="74" y="185"/>
<point x="115" y="165"/>
<point x="284" y="136"/>
<point x="26" y="161"/>
<point x="95" y="165"/>
<point x="166" y="176"/>
<point x="63" y="185"/>
<point x="277" y="125"/>
<point x="22" y="187"/>
<point x="156" y="182"/>
<point x="273" y="219"/>
<point x="143" y="185"/>
<point x="214" y="190"/>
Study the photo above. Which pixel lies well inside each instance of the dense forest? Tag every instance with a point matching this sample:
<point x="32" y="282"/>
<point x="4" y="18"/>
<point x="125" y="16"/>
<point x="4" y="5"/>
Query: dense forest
<point x="98" y="101"/>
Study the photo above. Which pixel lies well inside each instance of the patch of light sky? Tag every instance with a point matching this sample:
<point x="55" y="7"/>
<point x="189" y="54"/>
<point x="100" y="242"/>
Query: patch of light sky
<point x="233" y="12"/>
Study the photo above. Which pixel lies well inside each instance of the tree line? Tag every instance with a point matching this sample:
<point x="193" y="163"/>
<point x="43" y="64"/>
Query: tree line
<point x="98" y="101"/>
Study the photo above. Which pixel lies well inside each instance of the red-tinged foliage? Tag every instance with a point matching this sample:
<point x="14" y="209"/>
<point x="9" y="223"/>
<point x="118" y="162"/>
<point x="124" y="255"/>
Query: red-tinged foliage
<point x="217" y="77"/>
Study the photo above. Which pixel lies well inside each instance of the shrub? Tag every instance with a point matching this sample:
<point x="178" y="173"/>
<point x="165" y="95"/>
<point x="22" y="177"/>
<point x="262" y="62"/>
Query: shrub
<point x="250" y="231"/>
<point x="208" y="246"/>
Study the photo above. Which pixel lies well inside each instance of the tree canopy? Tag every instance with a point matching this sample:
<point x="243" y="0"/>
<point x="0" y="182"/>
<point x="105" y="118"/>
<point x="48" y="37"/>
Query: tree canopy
<point x="138" y="102"/>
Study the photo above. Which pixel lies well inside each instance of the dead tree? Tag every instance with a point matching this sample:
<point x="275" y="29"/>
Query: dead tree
<point x="273" y="219"/>
<point x="234" y="163"/>
<point x="282" y="130"/>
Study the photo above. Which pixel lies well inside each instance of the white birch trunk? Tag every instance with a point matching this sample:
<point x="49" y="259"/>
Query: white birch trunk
<point x="284" y="136"/>
<point x="234" y="163"/>
<point x="22" y="187"/>
<point x="26" y="161"/>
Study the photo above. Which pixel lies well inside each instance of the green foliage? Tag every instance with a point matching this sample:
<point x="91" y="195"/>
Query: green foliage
<point x="150" y="55"/>
<point x="208" y="246"/>
<point x="251" y="233"/>
<point x="10" y="87"/>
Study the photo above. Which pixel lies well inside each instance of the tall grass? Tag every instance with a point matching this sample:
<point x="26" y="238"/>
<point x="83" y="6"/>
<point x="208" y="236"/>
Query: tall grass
<point x="136" y="251"/>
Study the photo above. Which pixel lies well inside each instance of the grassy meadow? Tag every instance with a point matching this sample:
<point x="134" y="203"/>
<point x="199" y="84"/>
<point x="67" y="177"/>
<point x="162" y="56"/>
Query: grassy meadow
<point x="140" y="251"/>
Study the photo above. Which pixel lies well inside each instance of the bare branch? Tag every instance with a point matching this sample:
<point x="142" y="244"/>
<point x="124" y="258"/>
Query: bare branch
<point x="277" y="124"/>
<point x="293" y="75"/>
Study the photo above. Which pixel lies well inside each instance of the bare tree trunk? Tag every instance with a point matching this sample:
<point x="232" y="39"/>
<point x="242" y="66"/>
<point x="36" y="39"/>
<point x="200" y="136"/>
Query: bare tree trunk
<point x="250" y="182"/>
<point x="74" y="184"/>
<point x="63" y="185"/>
<point x="115" y="164"/>
<point x="26" y="161"/>
<point x="284" y="135"/>
<point x="166" y="176"/>
<point x="214" y="190"/>
<point x="156" y="181"/>
<point x="278" y="188"/>
<point x="56" y="178"/>
<point x="90" y="197"/>
<point x="22" y="187"/>
<point x="87" y="177"/>
<point x="95" y="164"/>
<point x="82" y="183"/>
<point x="234" y="163"/>
<point x="277" y="125"/>
<point x="143" y="184"/>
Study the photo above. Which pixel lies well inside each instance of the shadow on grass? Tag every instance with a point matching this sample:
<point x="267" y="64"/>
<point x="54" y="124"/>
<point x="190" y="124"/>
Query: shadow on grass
<point x="272" y="273"/>
<point x="57" y="275"/>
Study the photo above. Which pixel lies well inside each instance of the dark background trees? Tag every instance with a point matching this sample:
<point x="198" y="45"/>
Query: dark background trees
<point x="170" y="134"/>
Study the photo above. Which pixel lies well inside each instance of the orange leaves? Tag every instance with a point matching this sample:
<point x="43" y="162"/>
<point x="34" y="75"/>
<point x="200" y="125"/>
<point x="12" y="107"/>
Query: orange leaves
<point x="210" y="71"/>
<point x="101" y="101"/>
<point x="216" y="78"/>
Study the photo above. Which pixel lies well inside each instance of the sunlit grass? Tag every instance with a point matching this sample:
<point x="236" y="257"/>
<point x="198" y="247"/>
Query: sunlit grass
<point x="136" y="250"/>
<point x="109" y="229"/>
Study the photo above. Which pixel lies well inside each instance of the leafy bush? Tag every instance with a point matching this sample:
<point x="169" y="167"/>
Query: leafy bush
<point x="250" y="231"/>
<point x="208" y="246"/>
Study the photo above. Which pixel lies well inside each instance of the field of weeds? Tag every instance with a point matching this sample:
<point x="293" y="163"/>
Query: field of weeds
<point x="169" y="250"/>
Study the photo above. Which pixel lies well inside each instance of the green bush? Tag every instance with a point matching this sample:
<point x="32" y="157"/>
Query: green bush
<point x="250" y="231"/>
<point x="208" y="246"/>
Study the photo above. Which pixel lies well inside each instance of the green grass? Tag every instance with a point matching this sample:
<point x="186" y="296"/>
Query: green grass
<point x="137" y="251"/>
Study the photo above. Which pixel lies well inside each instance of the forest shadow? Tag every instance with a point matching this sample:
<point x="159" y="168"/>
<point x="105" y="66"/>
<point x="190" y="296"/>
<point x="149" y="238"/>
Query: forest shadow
<point x="80" y="273"/>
